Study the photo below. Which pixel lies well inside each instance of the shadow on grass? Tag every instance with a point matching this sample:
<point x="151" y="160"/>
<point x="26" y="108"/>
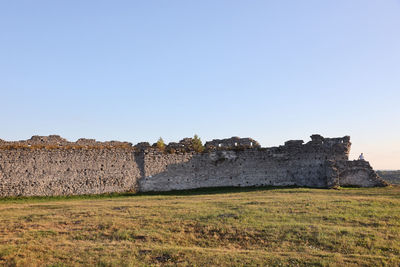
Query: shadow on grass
<point x="189" y="192"/>
<point x="215" y="190"/>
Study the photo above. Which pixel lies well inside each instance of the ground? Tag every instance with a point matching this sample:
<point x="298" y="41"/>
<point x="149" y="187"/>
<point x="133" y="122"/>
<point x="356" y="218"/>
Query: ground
<point x="214" y="227"/>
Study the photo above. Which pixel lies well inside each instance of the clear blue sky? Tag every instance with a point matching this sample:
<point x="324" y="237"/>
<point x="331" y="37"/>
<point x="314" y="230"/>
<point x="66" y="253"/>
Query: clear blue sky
<point x="138" y="70"/>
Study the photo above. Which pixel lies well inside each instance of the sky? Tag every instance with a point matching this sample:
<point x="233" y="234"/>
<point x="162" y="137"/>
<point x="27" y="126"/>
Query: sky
<point x="139" y="70"/>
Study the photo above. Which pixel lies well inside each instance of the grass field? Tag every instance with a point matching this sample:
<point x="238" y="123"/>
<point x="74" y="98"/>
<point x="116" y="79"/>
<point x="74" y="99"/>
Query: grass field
<point x="216" y="227"/>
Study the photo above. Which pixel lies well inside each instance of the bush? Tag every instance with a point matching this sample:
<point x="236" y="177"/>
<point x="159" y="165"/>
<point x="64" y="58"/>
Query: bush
<point x="161" y="144"/>
<point x="197" y="144"/>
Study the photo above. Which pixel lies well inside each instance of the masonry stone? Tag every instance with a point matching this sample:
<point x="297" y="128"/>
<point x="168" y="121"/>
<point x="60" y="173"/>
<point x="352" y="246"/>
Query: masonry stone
<point x="51" y="165"/>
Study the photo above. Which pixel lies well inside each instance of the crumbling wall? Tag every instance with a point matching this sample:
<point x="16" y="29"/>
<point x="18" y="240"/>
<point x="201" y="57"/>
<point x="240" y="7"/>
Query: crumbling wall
<point x="242" y="162"/>
<point x="57" y="142"/>
<point x="358" y="173"/>
<point x="241" y="168"/>
<point x="51" y="172"/>
<point x="51" y="165"/>
<point x="232" y="143"/>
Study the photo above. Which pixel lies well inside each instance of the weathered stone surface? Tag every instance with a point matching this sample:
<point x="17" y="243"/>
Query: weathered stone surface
<point x="296" y="143"/>
<point x="184" y="145"/>
<point x="232" y="143"/>
<point x="84" y="141"/>
<point x="44" y="172"/>
<point x="311" y="164"/>
<point x="50" y="140"/>
<point x="44" y="166"/>
<point x="142" y="146"/>
<point x="359" y="173"/>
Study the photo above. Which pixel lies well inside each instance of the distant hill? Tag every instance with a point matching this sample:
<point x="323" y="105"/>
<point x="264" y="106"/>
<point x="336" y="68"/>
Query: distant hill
<point x="390" y="176"/>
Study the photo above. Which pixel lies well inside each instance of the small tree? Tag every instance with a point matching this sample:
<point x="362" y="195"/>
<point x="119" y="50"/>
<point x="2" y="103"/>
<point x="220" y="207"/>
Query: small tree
<point x="197" y="144"/>
<point x="161" y="144"/>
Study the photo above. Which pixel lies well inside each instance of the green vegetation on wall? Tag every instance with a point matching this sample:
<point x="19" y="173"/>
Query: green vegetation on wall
<point x="197" y="144"/>
<point x="161" y="144"/>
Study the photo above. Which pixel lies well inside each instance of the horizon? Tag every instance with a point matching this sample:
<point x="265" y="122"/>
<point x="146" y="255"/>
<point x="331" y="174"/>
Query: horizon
<point x="272" y="71"/>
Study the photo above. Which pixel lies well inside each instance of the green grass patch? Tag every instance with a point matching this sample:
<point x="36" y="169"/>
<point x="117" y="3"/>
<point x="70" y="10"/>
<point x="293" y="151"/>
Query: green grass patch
<point x="205" y="227"/>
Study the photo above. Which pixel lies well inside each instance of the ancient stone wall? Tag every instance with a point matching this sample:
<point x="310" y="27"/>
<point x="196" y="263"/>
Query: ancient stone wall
<point x="236" y="162"/>
<point x="51" y="165"/>
<point x="45" y="172"/>
<point x="358" y="173"/>
<point x="232" y="143"/>
<point x="228" y="168"/>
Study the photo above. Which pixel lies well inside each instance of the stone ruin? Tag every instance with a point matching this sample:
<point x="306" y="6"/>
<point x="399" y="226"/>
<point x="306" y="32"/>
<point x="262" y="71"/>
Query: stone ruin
<point x="51" y="165"/>
<point x="56" y="141"/>
<point x="232" y="143"/>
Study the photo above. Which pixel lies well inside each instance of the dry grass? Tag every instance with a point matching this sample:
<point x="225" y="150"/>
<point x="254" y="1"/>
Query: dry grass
<point x="225" y="227"/>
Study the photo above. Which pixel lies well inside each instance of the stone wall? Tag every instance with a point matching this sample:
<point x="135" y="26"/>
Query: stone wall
<point x="229" y="168"/>
<point x="232" y="143"/>
<point x="359" y="173"/>
<point x="45" y="172"/>
<point x="43" y="166"/>
<point x="242" y="162"/>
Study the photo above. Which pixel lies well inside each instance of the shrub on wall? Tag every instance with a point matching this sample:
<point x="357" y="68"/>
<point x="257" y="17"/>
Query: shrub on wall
<point x="161" y="144"/>
<point x="197" y="144"/>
